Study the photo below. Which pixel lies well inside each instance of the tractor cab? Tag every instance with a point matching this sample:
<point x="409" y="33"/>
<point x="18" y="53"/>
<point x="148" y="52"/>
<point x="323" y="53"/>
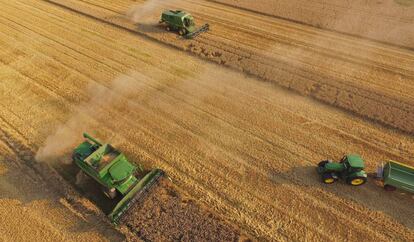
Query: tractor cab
<point x="353" y="163"/>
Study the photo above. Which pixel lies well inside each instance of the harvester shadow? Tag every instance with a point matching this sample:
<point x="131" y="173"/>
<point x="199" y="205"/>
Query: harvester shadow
<point x="150" y="28"/>
<point x="28" y="189"/>
<point x="397" y="204"/>
<point x="86" y="186"/>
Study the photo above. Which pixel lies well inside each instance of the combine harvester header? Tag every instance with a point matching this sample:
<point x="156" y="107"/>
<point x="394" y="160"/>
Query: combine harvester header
<point x="117" y="176"/>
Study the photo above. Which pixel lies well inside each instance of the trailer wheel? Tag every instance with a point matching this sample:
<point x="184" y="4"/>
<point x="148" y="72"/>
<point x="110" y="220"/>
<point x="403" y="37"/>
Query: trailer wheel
<point x="356" y="181"/>
<point x="327" y="178"/>
<point x="389" y="188"/>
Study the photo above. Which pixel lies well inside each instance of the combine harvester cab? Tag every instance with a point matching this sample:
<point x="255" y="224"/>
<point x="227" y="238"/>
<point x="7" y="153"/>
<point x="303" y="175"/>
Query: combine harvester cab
<point x="116" y="175"/>
<point x="183" y="23"/>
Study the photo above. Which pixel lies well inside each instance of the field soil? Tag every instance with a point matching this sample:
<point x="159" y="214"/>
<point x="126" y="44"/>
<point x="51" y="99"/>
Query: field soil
<point x="390" y="21"/>
<point x="351" y="73"/>
<point x="242" y="147"/>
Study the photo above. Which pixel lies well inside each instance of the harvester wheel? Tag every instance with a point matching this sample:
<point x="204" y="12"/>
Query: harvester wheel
<point x="81" y="177"/>
<point x="389" y="188"/>
<point x="110" y="193"/>
<point x="356" y="181"/>
<point x="182" y="32"/>
<point x="327" y="178"/>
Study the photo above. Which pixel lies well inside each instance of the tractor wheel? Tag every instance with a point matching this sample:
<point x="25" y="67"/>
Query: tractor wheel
<point x="356" y="181"/>
<point x="389" y="188"/>
<point x="182" y="32"/>
<point x="327" y="178"/>
<point x="168" y="28"/>
<point x="110" y="193"/>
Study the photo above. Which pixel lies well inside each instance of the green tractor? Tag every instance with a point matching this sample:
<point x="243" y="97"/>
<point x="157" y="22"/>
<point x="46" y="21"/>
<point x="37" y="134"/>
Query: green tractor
<point x="350" y="168"/>
<point x="115" y="174"/>
<point x="182" y="22"/>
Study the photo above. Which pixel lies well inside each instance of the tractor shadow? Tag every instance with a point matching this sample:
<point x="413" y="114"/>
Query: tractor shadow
<point x="397" y="204"/>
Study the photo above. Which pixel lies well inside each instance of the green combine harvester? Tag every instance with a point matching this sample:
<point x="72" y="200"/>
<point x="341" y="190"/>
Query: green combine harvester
<point x="183" y="23"/>
<point x="350" y="168"/>
<point x="116" y="175"/>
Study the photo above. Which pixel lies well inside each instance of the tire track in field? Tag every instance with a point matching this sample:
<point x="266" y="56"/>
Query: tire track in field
<point x="112" y="128"/>
<point x="267" y="34"/>
<point x="286" y="53"/>
<point x="200" y="170"/>
<point x="343" y="99"/>
<point x="333" y="18"/>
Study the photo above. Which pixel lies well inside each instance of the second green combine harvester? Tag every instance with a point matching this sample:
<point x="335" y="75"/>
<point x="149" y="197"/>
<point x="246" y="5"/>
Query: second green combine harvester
<point x="116" y="175"/>
<point x="182" y="22"/>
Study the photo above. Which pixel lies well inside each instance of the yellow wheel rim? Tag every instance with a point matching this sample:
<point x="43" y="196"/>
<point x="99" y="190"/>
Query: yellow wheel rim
<point x="357" y="181"/>
<point x="329" y="180"/>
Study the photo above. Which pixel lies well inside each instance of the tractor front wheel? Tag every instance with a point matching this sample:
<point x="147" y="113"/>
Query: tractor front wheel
<point x="356" y="181"/>
<point x="327" y="178"/>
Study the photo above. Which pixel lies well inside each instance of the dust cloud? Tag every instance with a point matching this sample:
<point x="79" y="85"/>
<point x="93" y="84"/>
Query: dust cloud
<point x="84" y="117"/>
<point x="144" y="13"/>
